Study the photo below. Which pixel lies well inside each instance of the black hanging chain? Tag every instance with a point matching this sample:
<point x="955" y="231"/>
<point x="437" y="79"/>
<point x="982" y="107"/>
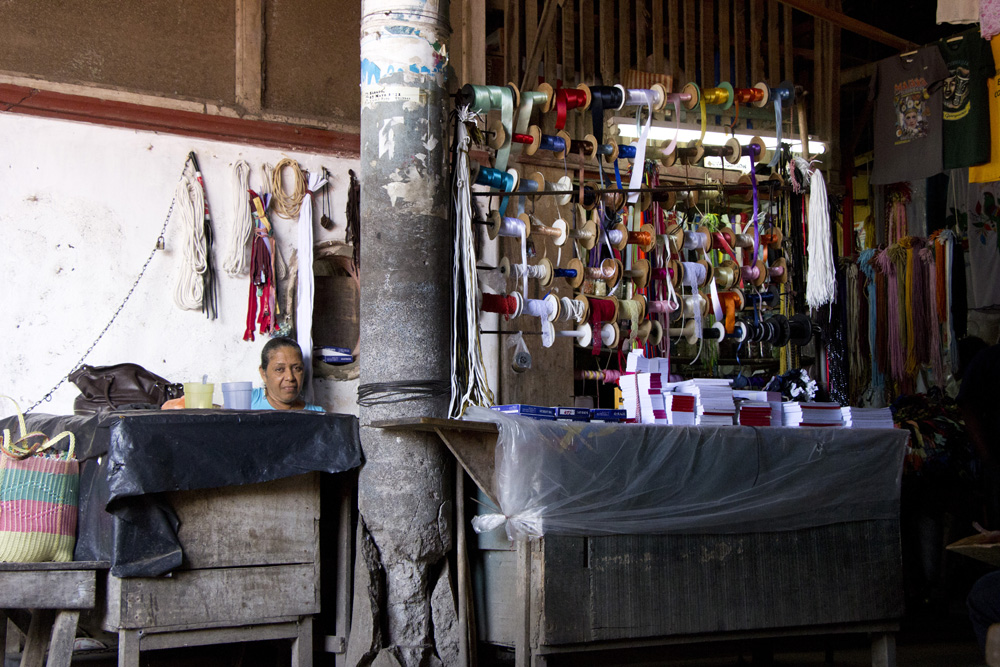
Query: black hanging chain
<point x="159" y="246"/>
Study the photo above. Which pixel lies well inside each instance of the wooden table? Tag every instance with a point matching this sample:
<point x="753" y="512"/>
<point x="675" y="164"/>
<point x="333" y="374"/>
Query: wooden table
<point x="576" y="595"/>
<point x="251" y="572"/>
<point x="53" y="594"/>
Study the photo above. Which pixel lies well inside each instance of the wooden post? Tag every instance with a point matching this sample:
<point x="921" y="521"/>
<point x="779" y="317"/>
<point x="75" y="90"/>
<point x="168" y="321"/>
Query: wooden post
<point x="522" y="649"/>
<point x="249" y="54"/>
<point x="345" y="540"/>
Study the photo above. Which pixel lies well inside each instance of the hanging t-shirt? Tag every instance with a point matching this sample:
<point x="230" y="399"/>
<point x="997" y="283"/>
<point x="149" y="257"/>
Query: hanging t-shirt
<point x="991" y="170"/>
<point x="984" y="245"/>
<point x="958" y="11"/>
<point x="907" y="96"/>
<point x="964" y="101"/>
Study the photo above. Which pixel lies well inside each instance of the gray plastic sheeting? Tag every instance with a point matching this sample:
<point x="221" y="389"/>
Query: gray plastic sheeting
<point x="570" y="478"/>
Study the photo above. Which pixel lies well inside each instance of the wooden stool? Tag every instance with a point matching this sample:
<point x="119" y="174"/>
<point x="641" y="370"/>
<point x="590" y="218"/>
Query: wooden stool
<point x="54" y="594"/>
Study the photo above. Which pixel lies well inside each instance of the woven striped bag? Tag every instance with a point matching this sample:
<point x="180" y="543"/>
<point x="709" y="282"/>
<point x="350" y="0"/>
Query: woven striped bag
<point x="39" y="497"/>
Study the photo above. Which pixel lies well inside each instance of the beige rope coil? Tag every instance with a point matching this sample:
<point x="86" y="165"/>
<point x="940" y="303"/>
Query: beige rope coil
<point x="285" y="205"/>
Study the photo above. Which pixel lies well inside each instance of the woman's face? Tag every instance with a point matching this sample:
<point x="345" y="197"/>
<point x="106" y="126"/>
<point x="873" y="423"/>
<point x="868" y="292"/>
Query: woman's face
<point x="283" y="375"/>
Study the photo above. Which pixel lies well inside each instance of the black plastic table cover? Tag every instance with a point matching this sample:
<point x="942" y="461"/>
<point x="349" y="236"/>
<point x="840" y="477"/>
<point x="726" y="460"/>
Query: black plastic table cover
<point x="129" y="459"/>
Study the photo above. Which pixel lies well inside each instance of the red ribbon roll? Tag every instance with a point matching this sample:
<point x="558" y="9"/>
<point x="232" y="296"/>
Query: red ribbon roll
<point x="566" y="99"/>
<point x="497" y="303"/>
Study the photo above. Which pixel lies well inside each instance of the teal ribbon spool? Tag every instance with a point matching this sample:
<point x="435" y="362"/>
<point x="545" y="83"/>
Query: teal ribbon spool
<point x="498" y="180"/>
<point x="482" y="99"/>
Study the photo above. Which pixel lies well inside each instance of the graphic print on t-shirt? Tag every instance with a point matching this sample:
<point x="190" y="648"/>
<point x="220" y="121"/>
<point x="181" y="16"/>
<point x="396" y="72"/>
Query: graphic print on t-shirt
<point x="912" y="121"/>
<point x="956" y="91"/>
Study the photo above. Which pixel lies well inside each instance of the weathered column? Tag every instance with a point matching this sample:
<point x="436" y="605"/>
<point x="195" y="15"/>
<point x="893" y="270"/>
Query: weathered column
<point x="404" y="498"/>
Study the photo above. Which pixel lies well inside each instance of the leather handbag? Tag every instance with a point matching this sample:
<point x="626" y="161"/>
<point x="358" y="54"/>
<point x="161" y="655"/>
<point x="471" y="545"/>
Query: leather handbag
<point x="104" y="388"/>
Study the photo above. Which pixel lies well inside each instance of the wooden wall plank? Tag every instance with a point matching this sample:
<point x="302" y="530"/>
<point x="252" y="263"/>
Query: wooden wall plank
<point x="530" y="32"/>
<point x="249" y="53"/>
<point x="623" y="32"/>
<point x="569" y="37"/>
<point x="606" y="29"/>
<point x="511" y="29"/>
<point x="754" y="37"/>
<point x="587" y="51"/>
<point x="641" y="51"/>
<point x="788" y="73"/>
<point x="690" y="40"/>
<point x="833" y="140"/>
<point x="725" y="54"/>
<point x="656" y="18"/>
<point x="773" y="37"/>
<point x="707" y="45"/>
<point x="740" y="45"/>
<point x="673" y="43"/>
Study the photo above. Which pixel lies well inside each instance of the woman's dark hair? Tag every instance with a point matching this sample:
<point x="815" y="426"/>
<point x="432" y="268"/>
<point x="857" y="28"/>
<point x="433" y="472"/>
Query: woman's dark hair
<point x="274" y="344"/>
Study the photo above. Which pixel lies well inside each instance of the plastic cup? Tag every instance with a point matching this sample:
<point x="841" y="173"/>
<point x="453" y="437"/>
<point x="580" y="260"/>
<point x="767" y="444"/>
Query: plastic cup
<point x="198" y="395"/>
<point x="236" y="395"/>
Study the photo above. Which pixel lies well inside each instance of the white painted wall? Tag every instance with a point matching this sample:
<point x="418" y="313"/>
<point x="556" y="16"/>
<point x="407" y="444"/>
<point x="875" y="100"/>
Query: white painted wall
<point x="81" y="207"/>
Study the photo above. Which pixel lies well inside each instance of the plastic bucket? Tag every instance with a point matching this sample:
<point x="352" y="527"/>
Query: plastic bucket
<point x="236" y="395"/>
<point x="198" y="395"/>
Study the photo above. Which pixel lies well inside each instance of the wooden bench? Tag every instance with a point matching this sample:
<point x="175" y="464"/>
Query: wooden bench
<point x="53" y="594"/>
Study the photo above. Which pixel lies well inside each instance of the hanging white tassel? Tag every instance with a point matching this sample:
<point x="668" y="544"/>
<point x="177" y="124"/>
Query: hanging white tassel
<point x="821" y="280"/>
<point x="190" y="290"/>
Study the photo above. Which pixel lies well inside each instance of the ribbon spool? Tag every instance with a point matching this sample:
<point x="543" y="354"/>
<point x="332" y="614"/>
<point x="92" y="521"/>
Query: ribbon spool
<point x="610" y="335"/>
<point x="535" y="182"/>
<point x="665" y="198"/>
<point x="564" y="184"/>
<point x="572" y="310"/>
<point x="627" y="152"/>
<point x="613" y="201"/>
<point x="755" y="273"/>
<point x="482" y="99"/>
<point x="701" y="239"/>
<point x="691" y="302"/>
<point x="773" y="238"/>
<point x="742" y="241"/>
<point x="693" y="95"/>
<point x="727" y="274"/>
<point x="557" y="144"/>
<point x="758" y="95"/>
<point x="661" y="275"/>
<point x="704" y="274"/>
<point x="715" y="332"/>
<point x="731" y="301"/>
<point x="546" y="309"/>
<point x="674" y="269"/>
<point x="496" y="179"/>
<point x="608" y="151"/>
<point x="662" y="307"/>
<point x="568" y="99"/>
<point x="599" y="100"/>
<point x="542" y="271"/>
<point x="558" y="232"/>
<point x="512" y="227"/>
<point x="583" y="334"/>
<point x="573" y="273"/>
<point x="673" y="240"/>
<point x="590" y="198"/>
<point x="509" y="306"/>
<point x="608" y="271"/>
<point x="620" y="237"/>
<point x="639" y="273"/>
<point x="603" y="309"/>
<point x="654" y="97"/>
<point x="720" y="96"/>
<point x="691" y="333"/>
<point x="584" y="314"/>
<point x="739" y="332"/>
<point x="800" y="329"/>
<point x="650" y="332"/>
<point x="778" y="273"/>
<point x="608" y="376"/>
<point x="769" y="295"/>
<point x="587" y="234"/>
<point x="639" y="307"/>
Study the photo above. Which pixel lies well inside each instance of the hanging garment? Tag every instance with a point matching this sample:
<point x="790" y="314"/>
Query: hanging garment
<point x="964" y="99"/>
<point x="958" y="11"/>
<point x="990" y="171"/>
<point x="984" y="245"/>
<point x="989" y="18"/>
<point x="908" y="124"/>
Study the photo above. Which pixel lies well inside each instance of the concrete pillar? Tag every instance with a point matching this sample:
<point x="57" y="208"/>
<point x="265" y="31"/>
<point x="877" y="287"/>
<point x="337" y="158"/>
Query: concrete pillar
<point x="404" y="498"/>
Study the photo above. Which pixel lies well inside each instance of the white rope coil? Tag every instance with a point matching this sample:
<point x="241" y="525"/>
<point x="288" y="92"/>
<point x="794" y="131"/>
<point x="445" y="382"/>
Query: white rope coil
<point x="236" y="262"/>
<point x="190" y="290"/>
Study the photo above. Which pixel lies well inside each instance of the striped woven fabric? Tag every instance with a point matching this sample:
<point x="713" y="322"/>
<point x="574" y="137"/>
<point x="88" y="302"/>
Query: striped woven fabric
<point x="638" y="79"/>
<point x="38" y="509"/>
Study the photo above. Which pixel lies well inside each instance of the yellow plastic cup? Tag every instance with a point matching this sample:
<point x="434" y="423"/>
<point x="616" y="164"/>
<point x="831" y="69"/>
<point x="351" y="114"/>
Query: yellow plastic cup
<point x="198" y="395"/>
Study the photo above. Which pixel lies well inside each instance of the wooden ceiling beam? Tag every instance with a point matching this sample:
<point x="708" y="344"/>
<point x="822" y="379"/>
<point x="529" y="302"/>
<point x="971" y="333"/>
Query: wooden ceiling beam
<point x="844" y="21"/>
